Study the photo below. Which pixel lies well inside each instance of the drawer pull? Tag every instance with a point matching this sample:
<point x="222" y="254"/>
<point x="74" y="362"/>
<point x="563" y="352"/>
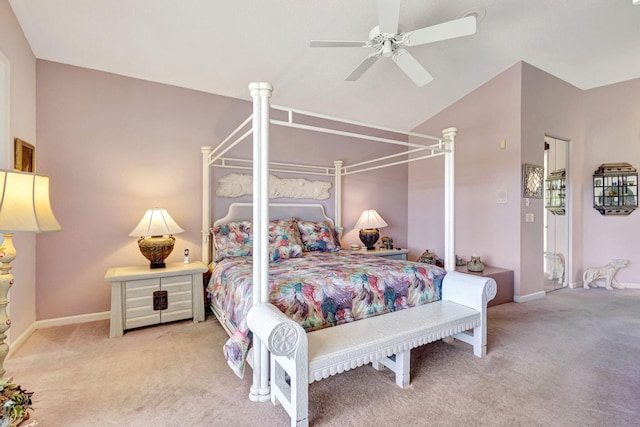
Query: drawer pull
<point x="160" y="300"/>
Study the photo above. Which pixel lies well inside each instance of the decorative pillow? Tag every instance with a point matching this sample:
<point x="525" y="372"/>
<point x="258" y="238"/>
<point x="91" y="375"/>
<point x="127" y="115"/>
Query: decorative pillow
<point x="233" y="239"/>
<point x="284" y="232"/>
<point x="284" y="252"/>
<point x="318" y="236"/>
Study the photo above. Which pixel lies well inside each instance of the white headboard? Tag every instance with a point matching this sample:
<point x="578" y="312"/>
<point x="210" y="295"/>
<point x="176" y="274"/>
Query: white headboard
<point x="302" y="211"/>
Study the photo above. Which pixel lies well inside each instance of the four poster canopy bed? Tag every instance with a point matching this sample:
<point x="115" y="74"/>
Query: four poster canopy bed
<point x="296" y="306"/>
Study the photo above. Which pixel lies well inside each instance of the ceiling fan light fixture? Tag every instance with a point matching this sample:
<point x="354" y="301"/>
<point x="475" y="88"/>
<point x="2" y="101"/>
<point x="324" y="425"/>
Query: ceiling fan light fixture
<point x="386" y="48"/>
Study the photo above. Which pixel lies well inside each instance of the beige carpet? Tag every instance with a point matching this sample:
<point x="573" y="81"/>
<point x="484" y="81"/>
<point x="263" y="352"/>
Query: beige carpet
<point x="571" y="359"/>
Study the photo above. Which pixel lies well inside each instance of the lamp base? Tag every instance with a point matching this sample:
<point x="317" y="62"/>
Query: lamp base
<point x="369" y="237"/>
<point x="156" y="249"/>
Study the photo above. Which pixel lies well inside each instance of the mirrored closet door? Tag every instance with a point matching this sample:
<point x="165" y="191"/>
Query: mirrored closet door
<point x="556" y="223"/>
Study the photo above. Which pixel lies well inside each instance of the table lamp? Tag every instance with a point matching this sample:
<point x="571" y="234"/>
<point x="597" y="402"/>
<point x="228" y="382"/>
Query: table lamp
<point x="369" y="223"/>
<point x="156" y="229"/>
<point x="24" y="207"/>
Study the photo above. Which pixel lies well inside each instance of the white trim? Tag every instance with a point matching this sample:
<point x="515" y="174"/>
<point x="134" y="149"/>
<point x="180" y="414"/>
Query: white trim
<point x="530" y="297"/>
<point x="72" y="320"/>
<point x="17" y="343"/>
<point x="59" y="321"/>
<point x="630" y="285"/>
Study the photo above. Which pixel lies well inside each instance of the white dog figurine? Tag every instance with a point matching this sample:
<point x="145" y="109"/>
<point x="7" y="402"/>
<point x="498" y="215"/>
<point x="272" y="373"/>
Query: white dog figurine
<point x="608" y="273"/>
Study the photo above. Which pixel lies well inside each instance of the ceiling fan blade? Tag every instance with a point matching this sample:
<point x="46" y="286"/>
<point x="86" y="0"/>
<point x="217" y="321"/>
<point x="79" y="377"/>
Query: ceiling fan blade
<point x="411" y="67"/>
<point x="447" y="30"/>
<point x="337" y="43"/>
<point x="362" y="67"/>
<point x="388" y="16"/>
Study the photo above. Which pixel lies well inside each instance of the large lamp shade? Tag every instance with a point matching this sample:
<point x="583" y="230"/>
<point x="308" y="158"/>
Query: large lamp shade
<point x="156" y="229"/>
<point x="24" y="207"/>
<point x="24" y="203"/>
<point x="369" y="223"/>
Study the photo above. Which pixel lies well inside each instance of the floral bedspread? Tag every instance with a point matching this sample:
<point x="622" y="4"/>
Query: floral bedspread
<point x="321" y="289"/>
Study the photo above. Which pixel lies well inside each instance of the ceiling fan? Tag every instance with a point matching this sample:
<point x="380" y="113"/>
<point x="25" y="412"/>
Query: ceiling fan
<point x="388" y="39"/>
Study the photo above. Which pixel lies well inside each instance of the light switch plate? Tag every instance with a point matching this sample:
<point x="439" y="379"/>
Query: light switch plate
<point x="529" y="217"/>
<point x="502" y="196"/>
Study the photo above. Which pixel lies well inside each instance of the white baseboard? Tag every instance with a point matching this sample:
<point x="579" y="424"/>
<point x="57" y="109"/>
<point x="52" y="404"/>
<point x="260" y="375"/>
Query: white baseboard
<point x="629" y="285"/>
<point x="71" y="320"/>
<point x="530" y="297"/>
<point x="15" y="344"/>
<point x="60" y="321"/>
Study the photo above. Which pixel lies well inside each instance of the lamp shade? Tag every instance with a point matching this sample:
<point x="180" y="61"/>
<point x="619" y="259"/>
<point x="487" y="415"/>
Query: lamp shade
<point x="24" y="203"/>
<point x="368" y="223"/>
<point x="155" y="230"/>
<point x="156" y="222"/>
<point x="370" y="219"/>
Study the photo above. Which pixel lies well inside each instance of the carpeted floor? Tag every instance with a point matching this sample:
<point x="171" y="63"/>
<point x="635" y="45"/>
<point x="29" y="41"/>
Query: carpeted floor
<point x="570" y="359"/>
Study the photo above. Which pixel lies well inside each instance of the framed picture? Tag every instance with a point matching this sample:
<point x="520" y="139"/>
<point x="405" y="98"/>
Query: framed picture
<point x="25" y="156"/>
<point x="532" y="179"/>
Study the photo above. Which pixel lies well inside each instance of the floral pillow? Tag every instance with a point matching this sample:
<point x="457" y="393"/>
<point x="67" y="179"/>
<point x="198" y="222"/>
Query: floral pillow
<point x="233" y="239"/>
<point x="318" y="236"/>
<point x="277" y="253"/>
<point x="284" y="239"/>
<point x="284" y="232"/>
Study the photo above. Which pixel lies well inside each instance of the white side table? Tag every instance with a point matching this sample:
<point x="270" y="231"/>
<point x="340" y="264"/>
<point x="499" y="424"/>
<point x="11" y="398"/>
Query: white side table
<point x="141" y="296"/>
<point x="387" y="253"/>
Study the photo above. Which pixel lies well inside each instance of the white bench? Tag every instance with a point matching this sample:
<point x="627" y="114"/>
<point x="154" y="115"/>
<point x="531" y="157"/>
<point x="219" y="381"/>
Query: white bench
<point x="298" y="358"/>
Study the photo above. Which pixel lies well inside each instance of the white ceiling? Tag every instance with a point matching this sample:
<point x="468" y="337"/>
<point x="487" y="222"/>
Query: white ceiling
<point x="220" y="46"/>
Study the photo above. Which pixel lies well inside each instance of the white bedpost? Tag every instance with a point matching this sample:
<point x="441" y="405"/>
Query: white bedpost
<point x="206" y="204"/>
<point x="260" y="92"/>
<point x="449" y="136"/>
<point x="338" y="193"/>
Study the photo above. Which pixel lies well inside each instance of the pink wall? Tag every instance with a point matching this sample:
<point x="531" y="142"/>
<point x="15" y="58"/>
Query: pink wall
<point x="116" y="146"/>
<point x="22" y="114"/>
<point x="554" y="107"/>
<point x="612" y="133"/>
<point x="521" y="105"/>
<point x="484" y="117"/>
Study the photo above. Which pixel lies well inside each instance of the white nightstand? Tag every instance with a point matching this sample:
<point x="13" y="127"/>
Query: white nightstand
<point x="387" y="253"/>
<point x="141" y="296"/>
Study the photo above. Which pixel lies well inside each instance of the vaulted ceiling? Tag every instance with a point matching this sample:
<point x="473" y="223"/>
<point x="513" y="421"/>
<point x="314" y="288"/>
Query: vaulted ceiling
<point x="220" y="46"/>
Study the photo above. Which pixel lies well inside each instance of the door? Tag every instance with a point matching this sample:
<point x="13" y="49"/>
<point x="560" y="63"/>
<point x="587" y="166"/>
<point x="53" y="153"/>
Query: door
<point x="556" y="217"/>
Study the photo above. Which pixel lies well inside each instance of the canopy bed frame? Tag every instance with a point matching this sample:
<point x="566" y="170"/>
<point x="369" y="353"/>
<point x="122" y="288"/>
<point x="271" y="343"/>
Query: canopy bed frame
<point x="258" y="124"/>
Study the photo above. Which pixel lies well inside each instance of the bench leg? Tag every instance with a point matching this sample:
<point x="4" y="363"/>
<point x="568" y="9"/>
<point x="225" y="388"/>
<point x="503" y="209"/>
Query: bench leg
<point x="476" y="338"/>
<point x="479" y="347"/>
<point x="400" y="364"/>
<point x="290" y="392"/>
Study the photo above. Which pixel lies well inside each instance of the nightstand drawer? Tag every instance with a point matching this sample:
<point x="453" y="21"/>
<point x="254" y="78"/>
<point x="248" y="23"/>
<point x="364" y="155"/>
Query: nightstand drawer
<point x="138" y="303"/>
<point x="399" y="256"/>
<point x="387" y="253"/>
<point x="180" y="297"/>
<point x="137" y="289"/>
<point x="138" y="320"/>
<point x="176" y="284"/>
